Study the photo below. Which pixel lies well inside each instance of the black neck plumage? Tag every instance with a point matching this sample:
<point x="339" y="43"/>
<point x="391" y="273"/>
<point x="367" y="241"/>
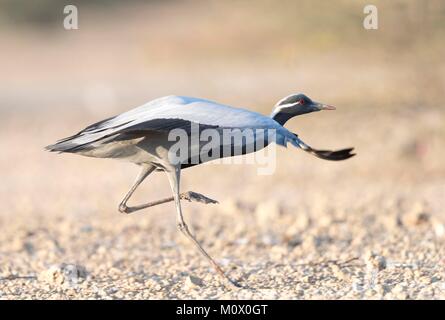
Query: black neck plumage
<point x="282" y="117"/>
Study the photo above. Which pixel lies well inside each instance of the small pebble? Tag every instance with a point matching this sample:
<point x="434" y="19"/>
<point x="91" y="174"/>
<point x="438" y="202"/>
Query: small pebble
<point x="193" y="282"/>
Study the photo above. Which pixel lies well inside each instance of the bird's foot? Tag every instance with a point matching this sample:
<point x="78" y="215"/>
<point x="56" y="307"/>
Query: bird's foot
<point x="231" y="284"/>
<point x="194" y="196"/>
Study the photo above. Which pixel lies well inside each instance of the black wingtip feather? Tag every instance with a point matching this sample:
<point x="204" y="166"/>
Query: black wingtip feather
<point x="59" y="147"/>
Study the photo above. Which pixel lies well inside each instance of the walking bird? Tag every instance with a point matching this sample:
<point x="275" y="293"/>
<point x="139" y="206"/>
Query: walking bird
<point x="141" y="136"/>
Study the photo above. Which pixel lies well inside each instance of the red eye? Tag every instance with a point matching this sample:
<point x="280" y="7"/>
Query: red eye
<point x="301" y="101"/>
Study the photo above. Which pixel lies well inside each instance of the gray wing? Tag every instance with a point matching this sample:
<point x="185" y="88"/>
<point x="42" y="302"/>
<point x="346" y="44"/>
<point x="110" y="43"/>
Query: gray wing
<point x="163" y="115"/>
<point x="83" y="139"/>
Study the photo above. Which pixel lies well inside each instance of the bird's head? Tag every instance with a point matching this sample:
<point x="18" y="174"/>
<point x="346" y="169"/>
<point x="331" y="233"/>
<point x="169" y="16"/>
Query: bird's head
<point x="295" y="105"/>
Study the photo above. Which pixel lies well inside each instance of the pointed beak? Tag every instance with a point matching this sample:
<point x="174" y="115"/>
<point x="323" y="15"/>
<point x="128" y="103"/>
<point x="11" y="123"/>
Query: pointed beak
<point x="322" y="106"/>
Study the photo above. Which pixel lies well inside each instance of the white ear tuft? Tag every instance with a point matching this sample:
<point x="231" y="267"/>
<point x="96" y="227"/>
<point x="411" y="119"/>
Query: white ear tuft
<point x="290" y="99"/>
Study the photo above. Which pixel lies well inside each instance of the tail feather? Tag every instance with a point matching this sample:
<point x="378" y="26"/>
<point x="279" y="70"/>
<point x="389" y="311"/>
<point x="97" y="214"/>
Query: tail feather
<point x="69" y="144"/>
<point x="79" y="142"/>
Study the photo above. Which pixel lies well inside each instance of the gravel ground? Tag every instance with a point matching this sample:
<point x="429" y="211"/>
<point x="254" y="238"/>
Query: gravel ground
<point x="372" y="227"/>
<point x="368" y="228"/>
<point x="326" y="252"/>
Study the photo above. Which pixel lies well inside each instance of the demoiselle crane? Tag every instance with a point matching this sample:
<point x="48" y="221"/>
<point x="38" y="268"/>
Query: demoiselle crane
<point x="141" y="136"/>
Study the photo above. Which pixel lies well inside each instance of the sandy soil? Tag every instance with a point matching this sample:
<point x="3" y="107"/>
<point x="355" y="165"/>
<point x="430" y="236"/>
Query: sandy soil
<point x="371" y="227"/>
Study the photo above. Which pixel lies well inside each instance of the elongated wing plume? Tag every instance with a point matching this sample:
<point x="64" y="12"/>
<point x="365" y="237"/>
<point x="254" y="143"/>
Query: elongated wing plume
<point x="337" y="155"/>
<point x="332" y="155"/>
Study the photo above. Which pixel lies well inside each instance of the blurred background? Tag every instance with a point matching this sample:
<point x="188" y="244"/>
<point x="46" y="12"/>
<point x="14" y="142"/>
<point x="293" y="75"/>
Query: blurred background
<point x="387" y="85"/>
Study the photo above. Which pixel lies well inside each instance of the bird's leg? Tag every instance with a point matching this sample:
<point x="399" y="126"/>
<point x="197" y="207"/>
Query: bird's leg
<point x="146" y="170"/>
<point x="189" y="195"/>
<point x="174" y="179"/>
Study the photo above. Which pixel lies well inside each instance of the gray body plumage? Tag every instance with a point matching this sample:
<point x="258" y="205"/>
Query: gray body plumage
<point x="139" y="134"/>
